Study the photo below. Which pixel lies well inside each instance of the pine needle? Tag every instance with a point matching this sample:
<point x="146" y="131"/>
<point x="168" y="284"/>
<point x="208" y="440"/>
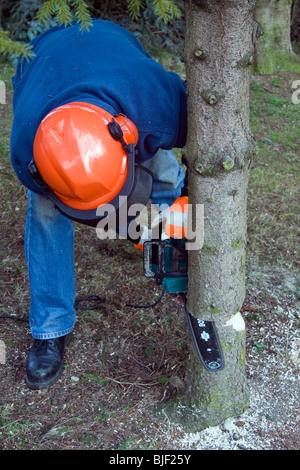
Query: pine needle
<point x="65" y="11"/>
<point x="163" y="9"/>
<point x="9" y="47"/>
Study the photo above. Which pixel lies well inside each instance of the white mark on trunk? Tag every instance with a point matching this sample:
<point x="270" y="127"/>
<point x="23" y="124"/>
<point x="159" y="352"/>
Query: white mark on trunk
<point x="236" y="322"/>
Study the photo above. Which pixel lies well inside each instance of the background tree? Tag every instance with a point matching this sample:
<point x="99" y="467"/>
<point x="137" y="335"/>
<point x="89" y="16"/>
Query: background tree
<point x="274" y="50"/>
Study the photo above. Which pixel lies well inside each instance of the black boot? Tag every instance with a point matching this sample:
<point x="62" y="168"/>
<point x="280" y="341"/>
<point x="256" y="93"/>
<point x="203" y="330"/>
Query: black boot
<point x="45" y="361"/>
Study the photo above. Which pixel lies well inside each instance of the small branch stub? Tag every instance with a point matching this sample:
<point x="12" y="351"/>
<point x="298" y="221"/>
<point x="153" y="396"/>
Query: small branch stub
<point x="200" y="54"/>
<point x="246" y="60"/>
<point x="211" y="96"/>
<point x="227" y="163"/>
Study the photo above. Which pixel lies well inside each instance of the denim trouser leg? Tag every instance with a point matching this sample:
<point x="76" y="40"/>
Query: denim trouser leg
<point x="49" y="241"/>
<point x="168" y="177"/>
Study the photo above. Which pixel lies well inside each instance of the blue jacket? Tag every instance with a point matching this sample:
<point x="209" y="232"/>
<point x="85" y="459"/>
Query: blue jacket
<point x="107" y="67"/>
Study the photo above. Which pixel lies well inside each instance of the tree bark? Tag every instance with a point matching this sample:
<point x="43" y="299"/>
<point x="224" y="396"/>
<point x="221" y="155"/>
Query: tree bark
<point x="274" y="50"/>
<point x="219" y="52"/>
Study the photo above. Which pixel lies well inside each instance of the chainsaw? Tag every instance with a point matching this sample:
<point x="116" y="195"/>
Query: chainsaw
<point x="167" y="262"/>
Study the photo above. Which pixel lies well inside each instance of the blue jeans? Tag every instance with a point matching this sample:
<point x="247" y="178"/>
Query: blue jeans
<point x="49" y="242"/>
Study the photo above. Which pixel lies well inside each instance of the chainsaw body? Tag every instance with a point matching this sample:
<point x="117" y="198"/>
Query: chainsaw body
<point x="166" y="261"/>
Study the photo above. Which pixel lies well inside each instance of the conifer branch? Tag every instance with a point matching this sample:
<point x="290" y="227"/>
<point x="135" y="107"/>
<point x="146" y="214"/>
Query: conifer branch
<point x="9" y="47"/>
<point x="163" y="9"/>
<point x="135" y="7"/>
<point x="82" y="14"/>
<point x="65" y="11"/>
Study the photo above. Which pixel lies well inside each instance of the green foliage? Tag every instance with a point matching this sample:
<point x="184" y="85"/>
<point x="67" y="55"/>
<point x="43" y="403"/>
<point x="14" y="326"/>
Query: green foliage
<point x="16" y="27"/>
<point x="65" y="11"/>
<point x="27" y="18"/>
<point x="135" y="7"/>
<point x="8" y="47"/>
<point x="163" y="9"/>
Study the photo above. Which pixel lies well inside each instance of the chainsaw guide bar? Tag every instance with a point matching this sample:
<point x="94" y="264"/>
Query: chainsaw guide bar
<point x="167" y="263"/>
<point x="206" y="342"/>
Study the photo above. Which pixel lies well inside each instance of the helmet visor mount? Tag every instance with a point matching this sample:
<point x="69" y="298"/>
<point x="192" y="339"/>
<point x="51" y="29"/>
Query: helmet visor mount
<point x="136" y="189"/>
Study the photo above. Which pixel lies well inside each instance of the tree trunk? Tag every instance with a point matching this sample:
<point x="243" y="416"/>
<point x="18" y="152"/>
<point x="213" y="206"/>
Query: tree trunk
<point x="219" y="53"/>
<point x="274" y="49"/>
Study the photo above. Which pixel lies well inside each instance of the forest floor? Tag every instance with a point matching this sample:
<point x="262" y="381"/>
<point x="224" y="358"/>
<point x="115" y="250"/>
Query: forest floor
<point x="122" y="362"/>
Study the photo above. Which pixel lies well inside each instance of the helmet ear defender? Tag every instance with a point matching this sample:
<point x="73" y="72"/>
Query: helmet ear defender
<point x="116" y="131"/>
<point x="136" y="189"/>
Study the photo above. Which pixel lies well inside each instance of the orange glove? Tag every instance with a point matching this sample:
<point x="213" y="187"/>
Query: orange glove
<point x="176" y="219"/>
<point x="173" y="220"/>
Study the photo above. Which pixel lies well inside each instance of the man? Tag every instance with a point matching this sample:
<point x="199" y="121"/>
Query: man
<point x="85" y="99"/>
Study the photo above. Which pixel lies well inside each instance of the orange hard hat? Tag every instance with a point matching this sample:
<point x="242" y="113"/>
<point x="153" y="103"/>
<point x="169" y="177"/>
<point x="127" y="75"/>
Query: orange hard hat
<point x="78" y="156"/>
